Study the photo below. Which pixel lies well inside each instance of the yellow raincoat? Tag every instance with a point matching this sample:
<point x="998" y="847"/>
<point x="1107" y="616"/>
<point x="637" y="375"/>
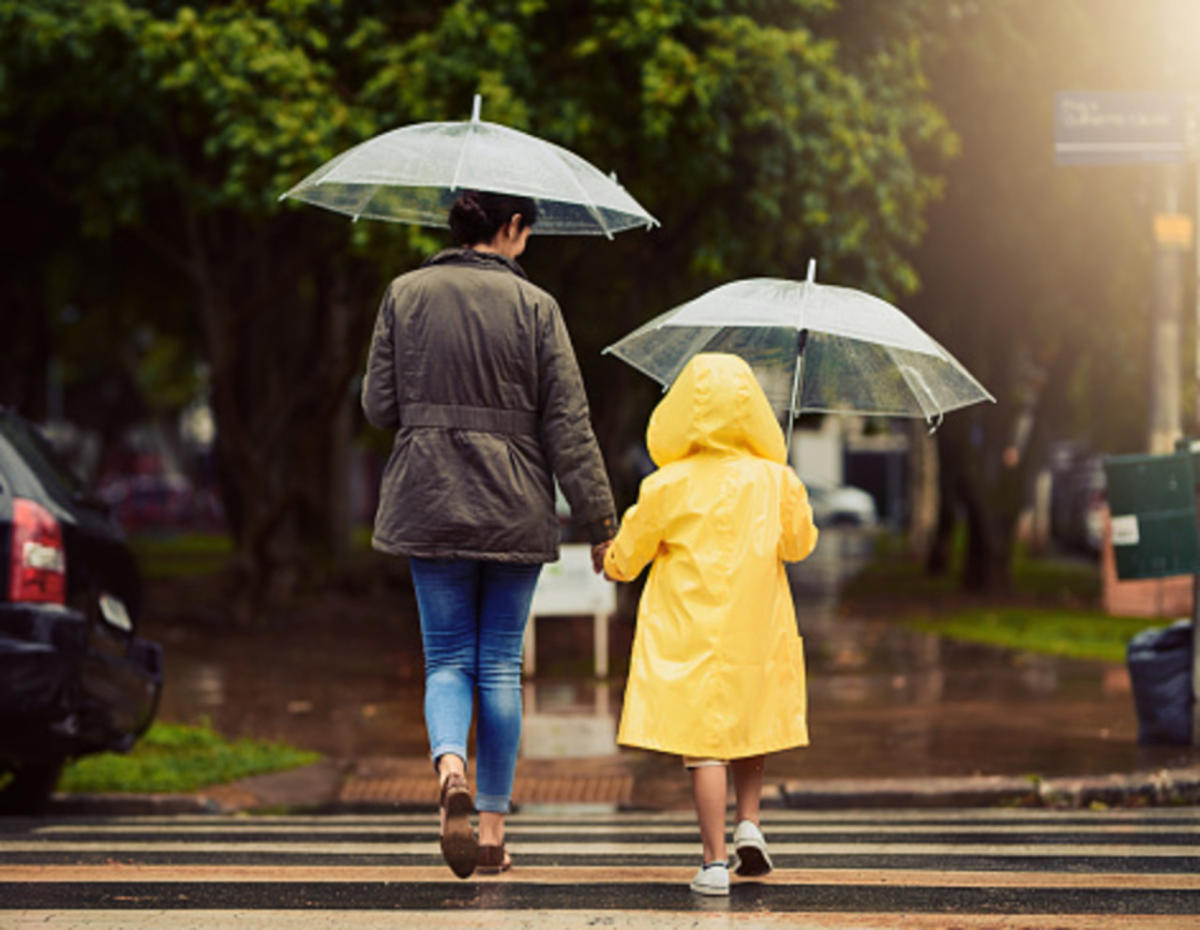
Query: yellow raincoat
<point x="718" y="666"/>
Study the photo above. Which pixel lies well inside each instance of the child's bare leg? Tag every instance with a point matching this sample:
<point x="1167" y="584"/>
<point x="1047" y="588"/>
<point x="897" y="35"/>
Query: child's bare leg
<point x="747" y="785"/>
<point x="708" y="789"/>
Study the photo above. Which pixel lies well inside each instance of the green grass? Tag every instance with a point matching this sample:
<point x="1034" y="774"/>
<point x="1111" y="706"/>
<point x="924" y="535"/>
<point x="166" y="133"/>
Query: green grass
<point x="1053" y="607"/>
<point x="891" y="573"/>
<point x="1056" y="579"/>
<point x="181" y="554"/>
<point x="174" y="757"/>
<point x="1078" y="634"/>
<point x="186" y="555"/>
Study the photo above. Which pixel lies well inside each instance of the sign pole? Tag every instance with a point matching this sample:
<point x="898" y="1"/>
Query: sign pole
<point x="1165" y="361"/>
<point x="1196" y="281"/>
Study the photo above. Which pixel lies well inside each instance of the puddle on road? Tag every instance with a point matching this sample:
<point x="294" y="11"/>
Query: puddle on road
<point x="882" y="700"/>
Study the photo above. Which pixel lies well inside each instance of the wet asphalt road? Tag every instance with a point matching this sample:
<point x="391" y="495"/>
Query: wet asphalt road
<point x="967" y="868"/>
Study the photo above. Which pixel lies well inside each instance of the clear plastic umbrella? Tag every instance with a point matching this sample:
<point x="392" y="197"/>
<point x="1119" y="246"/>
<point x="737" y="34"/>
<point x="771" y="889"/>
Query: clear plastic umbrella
<point x="413" y="175"/>
<point x="814" y="348"/>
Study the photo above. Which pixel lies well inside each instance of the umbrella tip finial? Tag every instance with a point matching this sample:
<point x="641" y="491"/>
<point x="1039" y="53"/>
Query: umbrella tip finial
<point x="812" y="271"/>
<point x="476" y="105"/>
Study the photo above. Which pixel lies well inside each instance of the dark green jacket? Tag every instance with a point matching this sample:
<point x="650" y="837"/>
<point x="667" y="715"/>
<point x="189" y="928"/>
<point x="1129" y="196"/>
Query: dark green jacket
<point x="472" y="366"/>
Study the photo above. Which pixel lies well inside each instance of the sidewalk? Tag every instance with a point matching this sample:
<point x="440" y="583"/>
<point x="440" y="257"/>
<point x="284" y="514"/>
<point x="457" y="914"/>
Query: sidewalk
<point x="610" y="784"/>
<point x="615" y="783"/>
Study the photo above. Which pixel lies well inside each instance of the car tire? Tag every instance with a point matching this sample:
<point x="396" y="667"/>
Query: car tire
<point x="29" y="786"/>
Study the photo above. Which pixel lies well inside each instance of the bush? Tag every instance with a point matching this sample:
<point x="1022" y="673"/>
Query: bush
<point x="174" y="757"/>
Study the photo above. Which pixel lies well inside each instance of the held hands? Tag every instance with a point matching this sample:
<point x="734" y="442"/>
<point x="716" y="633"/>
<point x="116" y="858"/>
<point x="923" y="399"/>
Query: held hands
<point x="598" y="553"/>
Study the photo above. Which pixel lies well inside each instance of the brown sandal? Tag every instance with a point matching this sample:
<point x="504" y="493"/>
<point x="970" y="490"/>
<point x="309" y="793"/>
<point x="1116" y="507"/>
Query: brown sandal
<point x="460" y="848"/>
<point x="493" y="860"/>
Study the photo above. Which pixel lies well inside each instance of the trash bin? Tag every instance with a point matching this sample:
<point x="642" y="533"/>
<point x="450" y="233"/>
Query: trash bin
<point x="1160" y="670"/>
<point x="1152" y="499"/>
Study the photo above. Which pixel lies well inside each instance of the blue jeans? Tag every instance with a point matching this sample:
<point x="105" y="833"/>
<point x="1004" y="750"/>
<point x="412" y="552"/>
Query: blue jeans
<point x="473" y="617"/>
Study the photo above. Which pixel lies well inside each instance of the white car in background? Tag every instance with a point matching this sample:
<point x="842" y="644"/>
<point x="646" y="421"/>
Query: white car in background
<point x="842" y="506"/>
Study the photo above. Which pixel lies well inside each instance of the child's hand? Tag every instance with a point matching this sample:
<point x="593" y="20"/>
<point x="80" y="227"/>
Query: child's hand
<point x="598" y="552"/>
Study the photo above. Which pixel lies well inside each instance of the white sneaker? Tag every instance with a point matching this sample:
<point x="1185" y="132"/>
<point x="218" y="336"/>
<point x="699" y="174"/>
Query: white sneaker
<point x="749" y="851"/>
<point x="712" y="879"/>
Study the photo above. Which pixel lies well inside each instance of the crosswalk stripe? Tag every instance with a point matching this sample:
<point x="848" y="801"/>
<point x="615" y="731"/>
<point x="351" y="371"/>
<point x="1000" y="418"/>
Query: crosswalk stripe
<point x="620" y="865"/>
<point x="1001" y="815"/>
<point x="602" y="847"/>
<point x="600" y="896"/>
<point x="574" y="874"/>
<point x="99" y="919"/>
<point x="1092" y="832"/>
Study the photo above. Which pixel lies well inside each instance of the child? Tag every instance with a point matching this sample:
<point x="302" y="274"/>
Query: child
<point x="717" y="672"/>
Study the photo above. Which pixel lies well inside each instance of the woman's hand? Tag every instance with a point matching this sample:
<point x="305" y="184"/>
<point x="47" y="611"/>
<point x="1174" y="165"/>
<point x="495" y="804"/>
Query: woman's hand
<point x="598" y="553"/>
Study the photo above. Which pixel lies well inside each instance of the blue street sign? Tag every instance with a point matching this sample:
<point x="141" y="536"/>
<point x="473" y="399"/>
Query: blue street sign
<point x="1109" y="127"/>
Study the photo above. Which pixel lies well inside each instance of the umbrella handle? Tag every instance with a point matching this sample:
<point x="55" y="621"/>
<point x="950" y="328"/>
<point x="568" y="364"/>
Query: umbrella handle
<point x="937" y="414"/>
<point x="801" y="342"/>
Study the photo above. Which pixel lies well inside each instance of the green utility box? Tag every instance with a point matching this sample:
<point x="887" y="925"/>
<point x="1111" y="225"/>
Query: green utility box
<point x="1152" y="501"/>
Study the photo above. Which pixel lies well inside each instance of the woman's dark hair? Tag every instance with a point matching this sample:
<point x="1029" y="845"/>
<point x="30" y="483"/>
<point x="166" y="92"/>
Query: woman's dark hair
<point x="478" y="215"/>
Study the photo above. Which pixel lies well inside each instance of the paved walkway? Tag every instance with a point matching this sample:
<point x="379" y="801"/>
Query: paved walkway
<point x="631" y="782"/>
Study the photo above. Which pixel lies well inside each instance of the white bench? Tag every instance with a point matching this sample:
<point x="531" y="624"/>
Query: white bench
<point x="569" y="588"/>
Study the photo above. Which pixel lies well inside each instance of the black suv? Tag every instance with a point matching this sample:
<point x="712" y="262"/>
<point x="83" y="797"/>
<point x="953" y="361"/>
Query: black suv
<point x="74" y="676"/>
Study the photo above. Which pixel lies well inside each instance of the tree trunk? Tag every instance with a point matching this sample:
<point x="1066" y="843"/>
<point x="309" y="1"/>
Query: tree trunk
<point x="987" y="568"/>
<point x="924" y="503"/>
<point x="1010" y="441"/>
<point x="950" y="454"/>
<point x="284" y="344"/>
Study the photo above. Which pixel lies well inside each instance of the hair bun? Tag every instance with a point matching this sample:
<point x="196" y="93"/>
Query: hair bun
<point x="471" y="206"/>
<point x="476" y="216"/>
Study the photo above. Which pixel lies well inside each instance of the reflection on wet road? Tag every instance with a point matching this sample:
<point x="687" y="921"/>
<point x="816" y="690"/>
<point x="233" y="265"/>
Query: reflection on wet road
<point x="883" y="700"/>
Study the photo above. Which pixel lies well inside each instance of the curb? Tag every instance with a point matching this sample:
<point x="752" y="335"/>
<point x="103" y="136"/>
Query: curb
<point x="310" y="787"/>
<point x="1160" y="788"/>
<point x="317" y="789"/>
<point x="127" y="805"/>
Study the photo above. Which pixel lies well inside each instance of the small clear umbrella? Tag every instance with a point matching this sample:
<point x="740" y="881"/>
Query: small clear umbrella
<point x="814" y="348"/>
<point x="413" y="174"/>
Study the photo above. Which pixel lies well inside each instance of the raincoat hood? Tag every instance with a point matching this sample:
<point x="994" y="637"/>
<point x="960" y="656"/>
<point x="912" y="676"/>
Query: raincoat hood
<point x="716" y="405"/>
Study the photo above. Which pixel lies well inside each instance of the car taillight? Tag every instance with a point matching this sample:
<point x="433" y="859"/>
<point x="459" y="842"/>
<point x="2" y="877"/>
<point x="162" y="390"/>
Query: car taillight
<point x="39" y="563"/>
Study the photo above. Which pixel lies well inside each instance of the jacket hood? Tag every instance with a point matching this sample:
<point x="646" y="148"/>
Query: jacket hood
<point x="462" y="256"/>
<point x="715" y="404"/>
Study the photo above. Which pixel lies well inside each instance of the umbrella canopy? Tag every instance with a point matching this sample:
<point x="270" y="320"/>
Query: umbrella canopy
<point x="814" y="348"/>
<point x="414" y="174"/>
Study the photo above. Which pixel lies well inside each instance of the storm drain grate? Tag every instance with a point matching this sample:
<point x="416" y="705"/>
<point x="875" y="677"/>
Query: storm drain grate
<point x="395" y="790"/>
<point x="408" y="782"/>
<point x="583" y="789"/>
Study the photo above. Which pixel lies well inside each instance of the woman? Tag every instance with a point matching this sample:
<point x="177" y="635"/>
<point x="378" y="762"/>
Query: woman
<point x="471" y="364"/>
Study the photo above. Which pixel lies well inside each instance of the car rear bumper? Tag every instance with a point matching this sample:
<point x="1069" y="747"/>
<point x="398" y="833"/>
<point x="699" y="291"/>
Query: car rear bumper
<point x="69" y="686"/>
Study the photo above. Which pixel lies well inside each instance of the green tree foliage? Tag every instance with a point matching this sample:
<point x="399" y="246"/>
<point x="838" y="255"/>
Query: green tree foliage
<point x="757" y="133"/>
<point x="164" y="136"/>
<point x="760" y="132"/>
